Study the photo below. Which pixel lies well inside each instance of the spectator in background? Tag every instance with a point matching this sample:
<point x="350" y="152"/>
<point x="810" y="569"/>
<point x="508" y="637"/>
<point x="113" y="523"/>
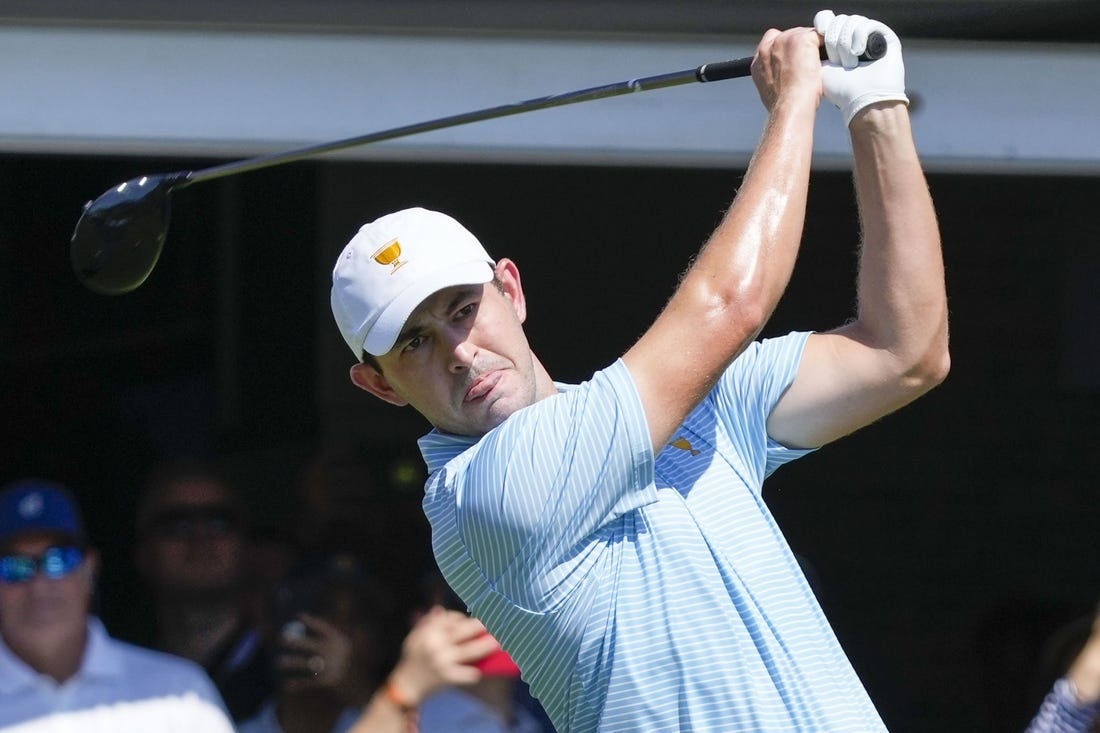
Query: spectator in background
<point x="336" y="642"/>
<point x="274" y="554"/>
<point x="362" y="497"/>
<point x="336" y="661"/>
<point x="192" y="552"/>
<point x="498" y="702"/>
<point x="59" y="669"/>
<point x="1073" y="703"/>
<point x="440" y="653"/>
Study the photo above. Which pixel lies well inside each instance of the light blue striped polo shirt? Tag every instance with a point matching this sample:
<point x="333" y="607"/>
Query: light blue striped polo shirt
<point x="643" y="595"/>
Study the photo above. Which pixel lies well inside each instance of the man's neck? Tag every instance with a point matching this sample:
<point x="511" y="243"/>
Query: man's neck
<point x="196" y="630"/>
<point x="544" y="384"/>
<point x="59" y="657"/>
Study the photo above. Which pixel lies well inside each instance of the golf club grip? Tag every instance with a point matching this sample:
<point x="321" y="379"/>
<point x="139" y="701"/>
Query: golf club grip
<point x="736" y="68"/>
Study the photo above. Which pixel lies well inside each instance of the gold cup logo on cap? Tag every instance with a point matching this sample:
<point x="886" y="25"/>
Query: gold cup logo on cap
<point x="389" y="254"/>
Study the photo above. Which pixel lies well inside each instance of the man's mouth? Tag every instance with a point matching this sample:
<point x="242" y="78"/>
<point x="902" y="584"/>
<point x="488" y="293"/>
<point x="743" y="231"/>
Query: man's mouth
<point x="482" y="386"/>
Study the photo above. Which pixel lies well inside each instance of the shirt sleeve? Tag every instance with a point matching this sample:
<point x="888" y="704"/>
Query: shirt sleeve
<point x="1062" y="713"/>
<point x="748" y="392"/>
<point x="555" y="474"/>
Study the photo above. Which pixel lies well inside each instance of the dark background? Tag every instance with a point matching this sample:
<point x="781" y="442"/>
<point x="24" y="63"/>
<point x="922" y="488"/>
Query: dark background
<point x="946" y="541"/>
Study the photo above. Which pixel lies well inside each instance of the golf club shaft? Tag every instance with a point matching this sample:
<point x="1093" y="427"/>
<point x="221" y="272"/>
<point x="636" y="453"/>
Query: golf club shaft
<point x="705" y="73"/>
<point x="876" y="47"/>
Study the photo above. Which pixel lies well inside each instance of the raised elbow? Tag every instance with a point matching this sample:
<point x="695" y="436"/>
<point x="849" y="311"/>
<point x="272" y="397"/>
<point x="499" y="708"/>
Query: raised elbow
<point x="738" y="314"/>
<point x="942" y="367"/>
<point x="749" y="313"/>
<point x="930" y="370"/>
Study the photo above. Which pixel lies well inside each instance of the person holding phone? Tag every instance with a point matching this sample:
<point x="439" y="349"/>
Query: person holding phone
<point x="339" y="669"/>
<point x="498" y="702"/>
<point x="331" y="651"/>
<point x="451" y="676"/>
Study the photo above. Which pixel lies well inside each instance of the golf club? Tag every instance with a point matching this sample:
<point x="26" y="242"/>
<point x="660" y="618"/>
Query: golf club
<point x="119" y="236"/>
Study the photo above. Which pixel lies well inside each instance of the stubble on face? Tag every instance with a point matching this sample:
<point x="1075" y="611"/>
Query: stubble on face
<point x="498" y="380"/>
<point x="517" y="390"/>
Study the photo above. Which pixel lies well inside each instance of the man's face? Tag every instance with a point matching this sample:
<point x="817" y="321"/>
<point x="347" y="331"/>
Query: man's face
<point x="41" y="610"/>
<point x="462" y="359"/>
<point x="193" y="545"/>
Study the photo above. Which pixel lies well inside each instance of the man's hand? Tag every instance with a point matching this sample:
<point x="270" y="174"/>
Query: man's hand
<point x="321" y="656"/>
<point x="852" y="85"/>
<point x="441" y="650"/>
<point x="787" y="63"/>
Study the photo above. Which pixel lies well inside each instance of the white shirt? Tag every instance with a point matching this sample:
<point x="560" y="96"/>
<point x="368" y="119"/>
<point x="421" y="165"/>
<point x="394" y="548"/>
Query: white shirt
<point x="119" y="688"/>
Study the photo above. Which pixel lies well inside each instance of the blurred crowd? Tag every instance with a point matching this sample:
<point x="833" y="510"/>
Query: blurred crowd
<point x="325" y="624"/>
<point x="336" y="620"/>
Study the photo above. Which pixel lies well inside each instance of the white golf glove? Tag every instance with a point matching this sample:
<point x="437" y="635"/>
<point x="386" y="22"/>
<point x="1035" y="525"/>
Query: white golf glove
<point x="852" y="85"/>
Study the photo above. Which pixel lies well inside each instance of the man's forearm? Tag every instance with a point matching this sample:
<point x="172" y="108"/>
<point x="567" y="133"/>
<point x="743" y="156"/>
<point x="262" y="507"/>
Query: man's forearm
<point x="902" y="300"/>
<point x="737" y="278"/>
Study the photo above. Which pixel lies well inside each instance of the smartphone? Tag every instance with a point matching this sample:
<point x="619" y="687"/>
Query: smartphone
<point x="497" y="664"/>
<point x="293" y="629"/>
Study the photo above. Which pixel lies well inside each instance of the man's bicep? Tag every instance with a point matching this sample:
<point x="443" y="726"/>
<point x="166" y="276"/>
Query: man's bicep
<point x="842" y="384"/>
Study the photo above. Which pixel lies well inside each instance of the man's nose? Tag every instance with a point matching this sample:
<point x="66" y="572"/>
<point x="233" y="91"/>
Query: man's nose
<point x="462" y="352"/>
<point x="40" y="583"/>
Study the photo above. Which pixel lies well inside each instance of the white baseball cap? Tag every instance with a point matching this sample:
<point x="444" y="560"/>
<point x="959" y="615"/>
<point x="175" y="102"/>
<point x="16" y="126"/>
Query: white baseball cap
<point x="391" y="265"/>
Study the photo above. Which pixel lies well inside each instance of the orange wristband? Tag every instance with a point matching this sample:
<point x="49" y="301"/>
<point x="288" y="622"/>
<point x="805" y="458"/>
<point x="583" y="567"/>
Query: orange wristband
<point x="398" y="698"/>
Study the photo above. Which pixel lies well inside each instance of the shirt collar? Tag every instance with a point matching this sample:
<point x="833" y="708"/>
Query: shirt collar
<point x="14" y="672"/>
<point x="438" y="448"/>
<point x="100" y="660"/>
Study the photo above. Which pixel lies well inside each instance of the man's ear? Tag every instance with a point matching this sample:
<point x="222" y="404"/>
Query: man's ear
<point x="91" y="567"/>
<point x="508" y="274"/>
<point x="366" y="377"/>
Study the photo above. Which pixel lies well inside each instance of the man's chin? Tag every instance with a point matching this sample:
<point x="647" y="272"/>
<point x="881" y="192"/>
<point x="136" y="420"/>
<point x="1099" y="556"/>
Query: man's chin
<point x="502" y="409"/>
<point x="486" y="419"/>
<point x="50" y="618"/>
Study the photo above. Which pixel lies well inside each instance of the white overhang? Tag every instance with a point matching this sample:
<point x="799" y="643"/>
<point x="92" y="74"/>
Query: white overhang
<point x="106" y="91"/>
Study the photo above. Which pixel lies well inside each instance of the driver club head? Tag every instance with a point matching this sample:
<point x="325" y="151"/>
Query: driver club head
<point x="119" y="236"/>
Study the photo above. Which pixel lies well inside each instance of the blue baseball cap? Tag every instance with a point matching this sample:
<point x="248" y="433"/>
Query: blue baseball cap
<point x="38" y="506"/>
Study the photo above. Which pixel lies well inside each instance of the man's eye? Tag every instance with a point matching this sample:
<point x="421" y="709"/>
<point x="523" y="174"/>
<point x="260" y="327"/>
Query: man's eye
<point x="466" y="310"/>
<point x="413" y="343"/>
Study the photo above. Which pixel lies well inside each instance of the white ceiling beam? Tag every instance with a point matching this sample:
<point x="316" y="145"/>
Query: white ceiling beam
<point x="103" y="91"/>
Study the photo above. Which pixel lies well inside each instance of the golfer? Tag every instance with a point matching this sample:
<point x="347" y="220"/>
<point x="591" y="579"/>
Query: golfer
<point x="612" y="534"/>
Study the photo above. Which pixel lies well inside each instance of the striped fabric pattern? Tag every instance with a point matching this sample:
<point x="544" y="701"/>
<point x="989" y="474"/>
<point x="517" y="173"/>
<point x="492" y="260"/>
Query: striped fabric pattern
<point x="640" y="593"/>
<point x="1062" y="713"/>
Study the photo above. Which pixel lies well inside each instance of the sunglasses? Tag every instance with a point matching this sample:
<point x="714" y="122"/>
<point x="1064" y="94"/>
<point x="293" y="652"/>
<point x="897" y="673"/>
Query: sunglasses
<point x="55" y="562"/>
<point x="187" y="522"/>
